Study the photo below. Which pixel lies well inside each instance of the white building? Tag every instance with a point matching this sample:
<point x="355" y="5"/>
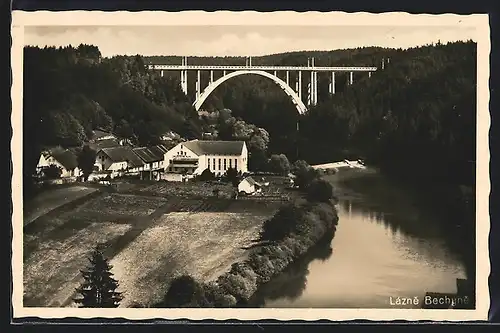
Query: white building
<point x="117" y="159"/>
<point x="64" y="159"/>
<point x="153" y="158"/>
<point x="248" y="185"/>
<point x="193" y="157"/>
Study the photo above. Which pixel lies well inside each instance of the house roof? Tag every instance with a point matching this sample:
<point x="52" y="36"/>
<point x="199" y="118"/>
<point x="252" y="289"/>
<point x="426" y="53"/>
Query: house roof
<point x="122" y="154"/>
<point x="97" y="134"/>
<point x="105" y="143"/>
<point x="66" y="157"/>
<point x="151" y="154"/>
<point x="204" y="147"/>
<point x="251" y="181"/>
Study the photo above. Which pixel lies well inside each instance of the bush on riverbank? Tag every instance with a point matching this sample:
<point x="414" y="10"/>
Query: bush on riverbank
<point x="290" y="233"/>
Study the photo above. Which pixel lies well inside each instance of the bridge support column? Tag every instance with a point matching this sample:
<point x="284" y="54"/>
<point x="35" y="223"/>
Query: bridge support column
<point x="299" y="91"/>
<point x="161" y="73"/>
<point x="287" y="78"/>
<point x="310" y="89"/>
<point x="184" y="76"/>
<point x="224" y="73"/>
<point x="275" y="74"/>
<point x="369" y="74"/>
<point x="211" y="77"/>
<point x="198" y="84"/>
<point x="332" y="84"/>
<point x="315" y="101"/>
<point x="350" y="78"/>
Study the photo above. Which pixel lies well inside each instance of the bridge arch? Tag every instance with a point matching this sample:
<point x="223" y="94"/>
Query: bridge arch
<point x="301" y="108"/>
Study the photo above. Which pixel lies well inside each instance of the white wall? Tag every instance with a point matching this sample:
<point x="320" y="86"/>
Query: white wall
<point x="105" y="163"/>
<point x="245" y="186"/>
<point x="207" y="161"/>
<point x="181" y="150"/>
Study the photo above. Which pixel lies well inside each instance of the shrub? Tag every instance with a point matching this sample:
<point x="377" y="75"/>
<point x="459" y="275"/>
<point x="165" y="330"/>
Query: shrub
<point x="282" y="223"/>
<point x="206" y="175"/>
<point x="319" y="190"/>
<point x="184" y="291"/>
<point x="279" y="164"/>
<point x="52" y="172"/>
<point x="216" y="297"/>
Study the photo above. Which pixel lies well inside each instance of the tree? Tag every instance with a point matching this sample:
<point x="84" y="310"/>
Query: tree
<point x="304" y="173"/>
<point x="52" y="172"/>
<point x="86" y="161"/>
<point x="279" y="164"/>
<point x="98" y="289"/>
<point x="184" y="291"/>
<point x="206" y="175"/>
<point x="232" y="176"/>
<point x="319" y="191"/>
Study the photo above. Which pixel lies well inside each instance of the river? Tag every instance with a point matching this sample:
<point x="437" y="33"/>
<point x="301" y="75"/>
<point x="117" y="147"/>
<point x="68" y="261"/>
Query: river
<point x="385" y="246"/>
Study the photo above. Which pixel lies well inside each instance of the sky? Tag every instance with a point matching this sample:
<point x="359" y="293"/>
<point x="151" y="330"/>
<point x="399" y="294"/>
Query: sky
<point x="240" y="40"/>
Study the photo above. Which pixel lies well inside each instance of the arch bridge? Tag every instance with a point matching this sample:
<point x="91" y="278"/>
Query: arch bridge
<point x="270" y="72"/>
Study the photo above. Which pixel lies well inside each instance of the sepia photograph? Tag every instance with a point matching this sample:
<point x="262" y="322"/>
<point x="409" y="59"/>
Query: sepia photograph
<point x="199" y="165"/>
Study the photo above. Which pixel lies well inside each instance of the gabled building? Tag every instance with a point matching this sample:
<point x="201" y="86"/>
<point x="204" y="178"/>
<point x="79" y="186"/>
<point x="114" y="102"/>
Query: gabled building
<point x="65" y="159"/>
<point x="117" y="159"/>
<point x="193" y="157"/>
<point x="249" y="186"/>
<point x="152" y="158"/>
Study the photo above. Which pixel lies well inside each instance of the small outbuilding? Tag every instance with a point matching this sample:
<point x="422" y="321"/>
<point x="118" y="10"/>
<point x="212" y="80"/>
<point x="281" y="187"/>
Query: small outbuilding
<point x="248" y="186"/>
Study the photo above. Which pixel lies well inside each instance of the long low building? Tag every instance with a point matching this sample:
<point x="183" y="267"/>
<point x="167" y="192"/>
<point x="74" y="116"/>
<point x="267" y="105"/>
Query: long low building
<point x="193" y="157"/>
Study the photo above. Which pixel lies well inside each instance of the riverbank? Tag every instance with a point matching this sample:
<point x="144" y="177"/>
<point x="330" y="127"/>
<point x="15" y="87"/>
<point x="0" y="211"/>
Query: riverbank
<point x="385" y="246"/>
<point x="289" y="235"/>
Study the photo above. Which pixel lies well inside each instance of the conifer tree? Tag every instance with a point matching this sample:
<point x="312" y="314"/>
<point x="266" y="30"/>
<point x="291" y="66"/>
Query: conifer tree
<point x="98" y="289"/>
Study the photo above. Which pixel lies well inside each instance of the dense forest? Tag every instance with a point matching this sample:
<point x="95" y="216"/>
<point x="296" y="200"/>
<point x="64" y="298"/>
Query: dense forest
<point x="70" y="91"/>
<point x="417" y="114"/>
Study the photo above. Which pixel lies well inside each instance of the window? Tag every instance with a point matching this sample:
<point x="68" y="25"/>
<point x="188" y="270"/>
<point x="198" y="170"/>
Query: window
<point x="225" y="166"/>
<point x="213" y="164"/>
<point x="219" y="163"/>
<point x="236" y="163"/>
<point x="230" y="163"/>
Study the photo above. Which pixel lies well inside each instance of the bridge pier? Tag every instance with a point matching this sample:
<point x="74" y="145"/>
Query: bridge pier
<point x="211" y="76"/>
<point x="198" y="84"/>
<point x="369" y="74"/>
<point x="350" y="78"/>
<point x="332" y="84"/>
<point x="287" y="78"/>
<point x="315" y="100"/>
<point x="300" y="84"/>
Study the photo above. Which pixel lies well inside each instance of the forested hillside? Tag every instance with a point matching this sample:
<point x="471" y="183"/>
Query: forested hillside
<point x="70" y="91"/>
<point x="416" y="115"/>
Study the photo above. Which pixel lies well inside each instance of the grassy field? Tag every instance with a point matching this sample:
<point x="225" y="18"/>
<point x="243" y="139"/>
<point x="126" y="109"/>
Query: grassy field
<point x="51" y="199"/>
<point x="56" y="249"/>
<point x="150" y="240"/>
<point x="203" y="244"/>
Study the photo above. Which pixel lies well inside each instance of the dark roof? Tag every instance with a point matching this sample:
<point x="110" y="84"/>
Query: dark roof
<point x="251" y="181"/>
<point x="66" y="157"/>
<point x="121" y="154"/>
<point x="151" y="154"/>
<point x="97" y="134"/>
<point x="201" y="147"/>
<point x="106" y="143"/>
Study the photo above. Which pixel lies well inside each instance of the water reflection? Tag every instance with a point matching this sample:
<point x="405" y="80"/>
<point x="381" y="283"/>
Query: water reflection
<point x="292" y="282"/>
<point x="378" y="252"/>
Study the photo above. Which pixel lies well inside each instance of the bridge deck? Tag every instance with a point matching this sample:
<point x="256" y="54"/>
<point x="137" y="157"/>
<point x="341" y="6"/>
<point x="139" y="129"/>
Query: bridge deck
<point x="264" y="68"/>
